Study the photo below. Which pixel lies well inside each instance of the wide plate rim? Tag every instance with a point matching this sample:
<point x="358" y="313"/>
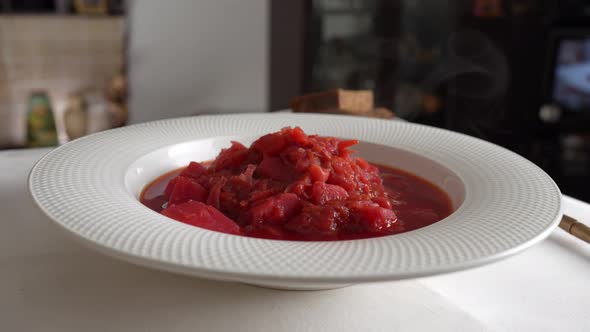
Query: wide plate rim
<point x="262" y="275"/>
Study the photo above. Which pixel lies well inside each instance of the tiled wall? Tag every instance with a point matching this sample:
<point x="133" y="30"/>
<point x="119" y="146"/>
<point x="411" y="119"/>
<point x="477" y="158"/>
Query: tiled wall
<point x="59" y="54"/>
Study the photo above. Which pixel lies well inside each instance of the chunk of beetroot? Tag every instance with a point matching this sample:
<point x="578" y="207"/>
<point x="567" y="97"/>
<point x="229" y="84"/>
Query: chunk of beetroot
<point x="249" y="171"/>
<point x="374" y="219"/>
<point x="321" y="193"/>
<point x="193" y="170"/>
<point x="317" y="222"/>
<point x="267" y="231"/>
<point x="215" y="192"/>
<point x="274" y="168"/>
<point x="275" y="210"/>
<point x="297" y="188"/>
<point x="170" y="187"/>
<point x="270" y="144"/>
<point x="383" y="201"/>
<point x="343" y="174"/>
<point x="299" y="137"/>
<point x="262" y="194"/>
<point x="343" y="147"/>
<point x="202" y="215"/>
<point x="186" y="189"/>
<point x="317" y="173"/>
<point x="230" y="157"/>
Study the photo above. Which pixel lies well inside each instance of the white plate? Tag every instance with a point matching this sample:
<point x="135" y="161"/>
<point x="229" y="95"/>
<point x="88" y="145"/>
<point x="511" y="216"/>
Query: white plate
<point x="90" y="186"/>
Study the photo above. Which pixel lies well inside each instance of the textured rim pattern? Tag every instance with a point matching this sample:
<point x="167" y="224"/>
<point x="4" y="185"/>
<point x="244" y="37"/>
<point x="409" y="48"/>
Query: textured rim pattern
<point x="510" y="204"/>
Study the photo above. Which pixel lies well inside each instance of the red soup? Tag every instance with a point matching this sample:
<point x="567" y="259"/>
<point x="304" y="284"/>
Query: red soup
<point x="293" y="186"/>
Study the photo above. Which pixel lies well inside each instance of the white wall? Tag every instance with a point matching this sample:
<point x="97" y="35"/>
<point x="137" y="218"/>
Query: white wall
<point x="203" y="56"/>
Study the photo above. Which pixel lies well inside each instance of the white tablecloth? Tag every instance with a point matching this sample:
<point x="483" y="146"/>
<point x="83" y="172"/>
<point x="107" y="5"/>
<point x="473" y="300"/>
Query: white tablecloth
<point x="49" y="283"/>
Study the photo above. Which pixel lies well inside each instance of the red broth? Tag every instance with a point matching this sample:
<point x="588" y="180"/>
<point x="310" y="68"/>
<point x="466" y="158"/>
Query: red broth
<point x="416" y="202"/>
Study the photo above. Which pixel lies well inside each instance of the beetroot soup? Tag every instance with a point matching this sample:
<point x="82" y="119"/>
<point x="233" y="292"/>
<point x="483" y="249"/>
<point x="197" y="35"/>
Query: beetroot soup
<point x="293" y="186"/>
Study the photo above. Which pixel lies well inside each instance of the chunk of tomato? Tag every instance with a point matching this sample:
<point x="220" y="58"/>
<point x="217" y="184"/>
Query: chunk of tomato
<point x="270" y="144"/>
<point x="276" y="209"/>
<point x="202" y="215"/>
<point x="230" y="157"/>
<point x="321" y="193"/>
<point x="193" y="170"/>
<point x="274" y="168"/>
<point x="186" y="189"/>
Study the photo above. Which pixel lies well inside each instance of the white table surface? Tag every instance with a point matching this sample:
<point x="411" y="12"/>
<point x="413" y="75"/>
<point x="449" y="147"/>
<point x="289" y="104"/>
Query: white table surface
<point x="49" y="283"/>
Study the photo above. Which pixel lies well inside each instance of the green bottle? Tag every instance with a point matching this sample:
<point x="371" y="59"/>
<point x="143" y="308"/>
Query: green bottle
<point x="41" y="129"/>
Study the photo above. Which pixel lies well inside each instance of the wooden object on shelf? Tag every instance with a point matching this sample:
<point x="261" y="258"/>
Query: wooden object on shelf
<point x="335" y="101"/>
<point x="75" y="116"/>
<point x="116" y="95"/>
<point x="91" y="7"/>
<point x="338" y="101"/>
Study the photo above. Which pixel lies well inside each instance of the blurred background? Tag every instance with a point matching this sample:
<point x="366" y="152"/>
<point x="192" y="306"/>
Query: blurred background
<point x="513" y="72"/>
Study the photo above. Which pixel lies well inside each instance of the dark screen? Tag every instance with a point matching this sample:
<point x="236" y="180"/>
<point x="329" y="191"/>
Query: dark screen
<point x="571" y="85"/>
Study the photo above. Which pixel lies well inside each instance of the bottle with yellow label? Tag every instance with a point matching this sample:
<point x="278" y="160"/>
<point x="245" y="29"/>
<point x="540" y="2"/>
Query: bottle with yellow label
<point x="41" y="129"/>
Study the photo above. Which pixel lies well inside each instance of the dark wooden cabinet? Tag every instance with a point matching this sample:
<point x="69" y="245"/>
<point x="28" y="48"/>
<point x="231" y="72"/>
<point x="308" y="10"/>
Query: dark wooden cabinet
<point x="449" y="64"/>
